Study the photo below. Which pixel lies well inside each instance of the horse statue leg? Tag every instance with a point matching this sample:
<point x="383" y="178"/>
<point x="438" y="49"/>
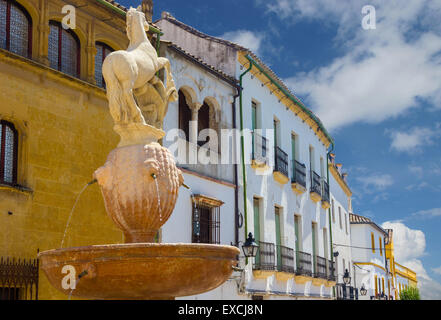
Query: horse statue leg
<point x="135" y="114"/>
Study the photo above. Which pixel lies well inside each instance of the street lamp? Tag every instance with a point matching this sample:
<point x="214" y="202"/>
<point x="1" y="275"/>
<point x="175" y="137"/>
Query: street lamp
<point x="250" y="247"/>
<point x="363" y="290"/>
<point x="346" y="277"/>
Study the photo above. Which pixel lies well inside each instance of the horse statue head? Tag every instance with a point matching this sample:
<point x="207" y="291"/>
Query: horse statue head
<point x="137" y="25"/>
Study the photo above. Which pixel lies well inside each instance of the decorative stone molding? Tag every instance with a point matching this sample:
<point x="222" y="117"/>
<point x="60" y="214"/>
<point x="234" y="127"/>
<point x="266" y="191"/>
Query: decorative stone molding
<point x="300" y="279"/>
<point x="263" y="274"/>
<point x="298" y="188"/>
<point x="209" y="201"/>
<point x="284" y="276"/>
<point x="315" y="197"/>
<point x="280" y="177"/>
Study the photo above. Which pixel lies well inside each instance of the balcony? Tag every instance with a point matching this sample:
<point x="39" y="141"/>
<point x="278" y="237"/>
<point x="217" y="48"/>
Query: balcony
<point x="320" y="269"/>
<point x="331" y="271"/>
<point x="285" y="259"/>
<point x="316" y="187"/>
<point x="259" y="159"/>
<point x="346" y="292"/>
<point x="298" y="179"/>
<point x="265" y="260"/>
<point x="280" y="173"/>
<point x="326" y="204"/>
<point x="303" y="264"/>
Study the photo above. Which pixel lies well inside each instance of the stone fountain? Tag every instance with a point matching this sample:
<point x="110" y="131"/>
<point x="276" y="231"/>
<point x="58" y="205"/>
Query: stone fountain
<point x="139" y="183"/>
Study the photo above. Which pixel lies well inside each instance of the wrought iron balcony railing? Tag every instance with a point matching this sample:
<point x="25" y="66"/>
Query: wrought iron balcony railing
<point x="298" y="173"/>
<point x="320" y="268"/>
<point x="259" y="148"/>
<point x="303" y="263"/>
<point x="281" y="161"/>
<point x="331" y="271"/>
<point x="346" y="292"/>
<point x="286" y="263"/>
<point x="315" y="183"/>
<point x="325" y="191"/>
<point x="267" y="254"/>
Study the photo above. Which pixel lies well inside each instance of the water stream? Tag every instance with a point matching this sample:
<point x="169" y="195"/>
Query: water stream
<point x="73" y="208"/>
<point x="159" y="199"/>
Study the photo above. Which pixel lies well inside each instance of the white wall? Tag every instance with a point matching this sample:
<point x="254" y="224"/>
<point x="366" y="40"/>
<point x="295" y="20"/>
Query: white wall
<point x="273" y="193"/>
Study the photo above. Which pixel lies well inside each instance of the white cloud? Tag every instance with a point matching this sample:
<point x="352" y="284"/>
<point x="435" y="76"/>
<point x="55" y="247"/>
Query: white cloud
<point x="437" y="270"/>
<point x="430" y="213"/>
<point x="376" y="181"/>
<point x="417" y="170"/>
<point x="408" y="243"/>
<point x="409" y="247"/>
<point x="412" y="140"/>
<point x="384" y="72"/>
<point x="248" y="39"/>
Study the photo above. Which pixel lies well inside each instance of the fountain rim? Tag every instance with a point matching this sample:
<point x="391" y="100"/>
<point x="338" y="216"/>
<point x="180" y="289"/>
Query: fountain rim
<point x="156" y="249"/>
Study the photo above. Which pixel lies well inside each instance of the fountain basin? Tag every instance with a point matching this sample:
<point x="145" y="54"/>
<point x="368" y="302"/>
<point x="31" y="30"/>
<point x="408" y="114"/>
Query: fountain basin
<point x="141" y="270"/>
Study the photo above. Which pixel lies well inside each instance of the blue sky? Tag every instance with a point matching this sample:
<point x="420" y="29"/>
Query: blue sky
<point x="377" y="91"/>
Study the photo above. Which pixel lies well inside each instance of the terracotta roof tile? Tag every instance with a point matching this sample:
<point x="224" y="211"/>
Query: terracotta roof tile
<point x="357" y="219"/>
<point x="202" y="62"/>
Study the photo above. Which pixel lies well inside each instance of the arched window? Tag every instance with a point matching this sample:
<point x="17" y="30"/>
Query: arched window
<point x="8" y="153"/>
<point x="102" y="51"/>
<point x="64" y="50"/>
<point x="184" y="115"/>
<point x="15" y="28"/>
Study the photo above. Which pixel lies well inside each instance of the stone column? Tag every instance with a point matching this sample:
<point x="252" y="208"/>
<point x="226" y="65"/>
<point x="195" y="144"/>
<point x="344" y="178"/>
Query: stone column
<point x="193" y="132"/>
<point x="43" y="30"/>
<point x="90" y="52"/>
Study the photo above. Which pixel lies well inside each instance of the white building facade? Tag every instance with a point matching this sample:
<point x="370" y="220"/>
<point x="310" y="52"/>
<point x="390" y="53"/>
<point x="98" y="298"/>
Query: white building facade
<point x="341" y="230"/>
<point x="369" y="257"/>
<point x="283" y="198"/>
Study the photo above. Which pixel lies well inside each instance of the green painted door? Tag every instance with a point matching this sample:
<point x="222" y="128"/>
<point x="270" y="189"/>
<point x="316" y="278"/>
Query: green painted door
<point x="278" y="239"/>
<point x="257" y="227"/>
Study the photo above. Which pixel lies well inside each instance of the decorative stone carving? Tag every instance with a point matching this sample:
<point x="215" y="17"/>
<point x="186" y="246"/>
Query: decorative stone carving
<point x="133" y="72"/>
<point x="137" y="203"/>
<point x="140" y="180"/>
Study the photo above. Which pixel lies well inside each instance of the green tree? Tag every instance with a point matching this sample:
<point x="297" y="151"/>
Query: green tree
<point x="411" y="293"/>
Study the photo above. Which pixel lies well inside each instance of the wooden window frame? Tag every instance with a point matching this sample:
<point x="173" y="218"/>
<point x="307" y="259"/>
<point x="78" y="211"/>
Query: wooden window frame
<point x="11" y="126"/>
<point x="373" y="242"/>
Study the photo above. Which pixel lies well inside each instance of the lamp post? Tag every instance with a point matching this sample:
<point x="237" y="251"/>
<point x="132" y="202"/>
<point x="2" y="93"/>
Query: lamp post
<point x="250" y="247"/>
<point x="363" y="290"/>
<point x="346" y="277"/>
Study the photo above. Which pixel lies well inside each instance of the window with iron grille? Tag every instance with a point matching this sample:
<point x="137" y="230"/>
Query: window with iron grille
<point x="8" y="153"/>
<point x="18" y="279"/>
<point x="15" y="28"/>
<point x="206" y="223"/>
<point x="102" y="51"/>
<point x="64" y="49"/>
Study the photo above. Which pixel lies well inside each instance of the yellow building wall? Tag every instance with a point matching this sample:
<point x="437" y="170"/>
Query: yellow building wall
<point x="65" y="134"/>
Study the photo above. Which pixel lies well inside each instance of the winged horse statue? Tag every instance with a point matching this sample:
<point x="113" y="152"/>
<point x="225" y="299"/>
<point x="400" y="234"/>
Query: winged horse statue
<point x="127" y="72"/>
